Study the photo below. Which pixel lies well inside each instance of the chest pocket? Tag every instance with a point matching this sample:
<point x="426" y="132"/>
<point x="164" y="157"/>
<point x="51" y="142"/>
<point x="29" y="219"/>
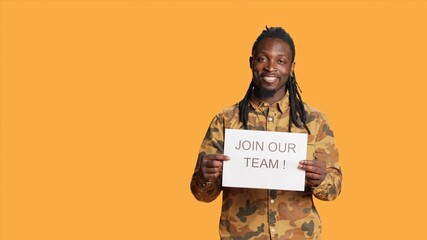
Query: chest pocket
<point x="311" y="148"/>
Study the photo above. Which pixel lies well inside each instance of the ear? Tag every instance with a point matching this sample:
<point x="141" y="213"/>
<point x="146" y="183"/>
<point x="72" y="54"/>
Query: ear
<point x="292" y="68"/>
<point x="250" y="61"/>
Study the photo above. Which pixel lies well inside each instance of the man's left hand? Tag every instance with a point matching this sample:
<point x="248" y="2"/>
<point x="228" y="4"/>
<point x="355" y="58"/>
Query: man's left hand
<point x="315" y="171"/>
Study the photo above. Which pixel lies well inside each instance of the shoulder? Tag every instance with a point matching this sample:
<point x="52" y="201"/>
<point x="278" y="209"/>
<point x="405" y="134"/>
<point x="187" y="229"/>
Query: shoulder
<point x="229" y="112"/>
<point x="228" y="117"/>
<point x="318" y="121"/>
<point x="313" y="113"/>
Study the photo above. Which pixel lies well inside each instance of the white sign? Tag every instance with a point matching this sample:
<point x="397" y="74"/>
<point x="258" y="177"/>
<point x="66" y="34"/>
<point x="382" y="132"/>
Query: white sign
<point x="264" y="159"/>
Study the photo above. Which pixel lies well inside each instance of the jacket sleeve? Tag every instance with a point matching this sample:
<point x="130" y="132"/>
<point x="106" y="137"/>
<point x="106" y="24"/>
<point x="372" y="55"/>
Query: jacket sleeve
<point x="207" y="191"/>
<point x="326" y="150"/>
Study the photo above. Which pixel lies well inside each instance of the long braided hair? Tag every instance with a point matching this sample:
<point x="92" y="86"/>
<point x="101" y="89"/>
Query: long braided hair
<point x="296" y="105"/>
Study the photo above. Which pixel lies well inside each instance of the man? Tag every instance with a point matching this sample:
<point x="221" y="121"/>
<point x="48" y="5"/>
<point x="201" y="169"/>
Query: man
<point x="272" y="103"/>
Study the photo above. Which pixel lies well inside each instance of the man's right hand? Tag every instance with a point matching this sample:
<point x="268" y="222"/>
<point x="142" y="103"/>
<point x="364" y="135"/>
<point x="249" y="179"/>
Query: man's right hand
<point x="212" y="166"/>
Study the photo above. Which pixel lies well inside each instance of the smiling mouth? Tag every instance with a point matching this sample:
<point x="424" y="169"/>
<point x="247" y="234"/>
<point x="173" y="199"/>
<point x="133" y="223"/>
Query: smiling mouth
<point x="270" y="79"/>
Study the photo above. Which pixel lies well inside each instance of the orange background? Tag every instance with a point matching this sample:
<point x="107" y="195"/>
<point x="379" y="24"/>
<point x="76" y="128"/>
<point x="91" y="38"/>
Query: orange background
<point x="104" y="105"/>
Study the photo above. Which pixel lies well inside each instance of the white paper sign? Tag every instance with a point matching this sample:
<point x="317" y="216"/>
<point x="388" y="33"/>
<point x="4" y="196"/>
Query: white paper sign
<point x="263" y="159"/>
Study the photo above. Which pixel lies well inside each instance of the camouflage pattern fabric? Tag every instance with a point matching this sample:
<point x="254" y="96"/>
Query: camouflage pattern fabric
<point x="261" y="214"/>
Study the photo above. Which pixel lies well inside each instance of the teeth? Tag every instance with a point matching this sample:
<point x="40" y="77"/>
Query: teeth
<point x="270" y="79"/>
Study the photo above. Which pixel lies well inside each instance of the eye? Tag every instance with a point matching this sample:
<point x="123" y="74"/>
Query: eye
<point x="261" y="59"/>
<point x="281" y="61"/>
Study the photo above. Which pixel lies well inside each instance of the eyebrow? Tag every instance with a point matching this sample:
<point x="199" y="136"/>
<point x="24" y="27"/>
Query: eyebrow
<point x="266" y="53"/>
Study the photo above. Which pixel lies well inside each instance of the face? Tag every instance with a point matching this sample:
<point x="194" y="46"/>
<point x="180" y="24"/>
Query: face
<point x="271" y="65"/>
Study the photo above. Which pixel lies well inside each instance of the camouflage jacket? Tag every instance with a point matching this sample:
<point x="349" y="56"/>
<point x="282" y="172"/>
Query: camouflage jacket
<point x="270" y="214"/>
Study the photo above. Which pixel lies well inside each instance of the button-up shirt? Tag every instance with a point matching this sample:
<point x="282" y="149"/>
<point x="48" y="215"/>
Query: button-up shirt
<point x="266" y="213"/>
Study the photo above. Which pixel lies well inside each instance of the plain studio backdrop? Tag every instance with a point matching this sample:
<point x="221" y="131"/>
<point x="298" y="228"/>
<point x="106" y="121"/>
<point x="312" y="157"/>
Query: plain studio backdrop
<point x="104" y="105"/>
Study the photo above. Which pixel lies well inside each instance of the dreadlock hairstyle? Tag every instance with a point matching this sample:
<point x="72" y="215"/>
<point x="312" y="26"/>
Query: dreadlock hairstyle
<point x="295" y="101"/>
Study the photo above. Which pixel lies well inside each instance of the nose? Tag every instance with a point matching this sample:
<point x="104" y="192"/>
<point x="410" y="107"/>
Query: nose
<point x="271" y="66"/>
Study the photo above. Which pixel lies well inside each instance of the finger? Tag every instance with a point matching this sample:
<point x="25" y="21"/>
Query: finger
<point x="313" y="176"/>
<point x="213" y="164"/>
<point x="313" y="166"/>
<point x="218" y="157"/>
<point x="308" y="168"/>
<point x="313" y="183"/>
<point x="212" y="176"/>
<point x="211" y="170"/>
<point x="312" y="163"/>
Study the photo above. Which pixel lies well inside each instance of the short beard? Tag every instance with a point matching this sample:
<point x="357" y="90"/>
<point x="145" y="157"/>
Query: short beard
<point x="266" y="93"/>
